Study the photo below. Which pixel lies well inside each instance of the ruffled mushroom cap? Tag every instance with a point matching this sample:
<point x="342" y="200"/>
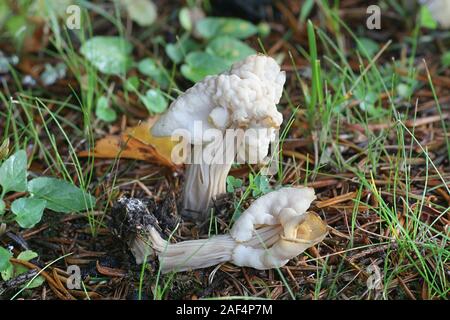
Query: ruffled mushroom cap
<point x="273" y="230"/>
<point x="244" y="98"/>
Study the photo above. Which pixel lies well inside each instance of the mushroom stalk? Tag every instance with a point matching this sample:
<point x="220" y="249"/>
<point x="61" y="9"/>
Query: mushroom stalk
<point x="279" y="229"/>
<point x="203" y="184"/>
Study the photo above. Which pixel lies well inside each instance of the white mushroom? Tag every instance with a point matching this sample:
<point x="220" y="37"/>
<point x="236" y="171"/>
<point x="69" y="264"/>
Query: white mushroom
<point x="273" y="230"/>
<point x="241" y="99"/>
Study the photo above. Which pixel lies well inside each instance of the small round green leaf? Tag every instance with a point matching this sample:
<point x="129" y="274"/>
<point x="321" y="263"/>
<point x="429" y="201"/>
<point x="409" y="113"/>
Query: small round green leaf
<point x="201" y="64"/>
<point x="229" y="49"/>
<point x="185" y="18"/>
<point x="103" y="111"/>
<point x="13" y="172"/>
<point x="154" y="101"/>
<point x="2" y="207"/>
<point x="211" y="27"/>
<point x="27" y="255"/>
<point x="178" y="50"/>
<point x="143" y="12"/>
<point x="110" y="55"/>
<point x="150" y="68"/>
<point x="131" y="84"/>
<point x="5" y="255"/>
<point x="28" y="211"/>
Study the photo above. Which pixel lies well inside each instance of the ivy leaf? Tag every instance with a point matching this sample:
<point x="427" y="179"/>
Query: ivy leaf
<point x="110" y="55"/>
<point x="154" y="101"/>
<point x="13" y="173"/>
<point x="229" y="49"/>
<point x="61" y="196"/>
<point x="201" y="64"/>
<point x="103" y="111"/>
<point x="211" y="27"/>
<point x="28" y="211"/>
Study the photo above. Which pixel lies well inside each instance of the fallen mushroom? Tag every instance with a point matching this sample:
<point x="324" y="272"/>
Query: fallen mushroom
<point x="243" y="98"/>
<point x="274" y="229"/>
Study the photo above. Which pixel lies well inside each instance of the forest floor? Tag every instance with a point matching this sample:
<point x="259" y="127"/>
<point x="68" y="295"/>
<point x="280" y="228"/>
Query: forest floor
<point x="366" y="124"/>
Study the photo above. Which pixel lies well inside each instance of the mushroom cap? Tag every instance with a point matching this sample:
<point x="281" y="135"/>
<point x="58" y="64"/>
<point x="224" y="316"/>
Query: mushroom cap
<point x="246" y="96"/>
<point x="285" y="211"/>
<point x="267" y="209"/>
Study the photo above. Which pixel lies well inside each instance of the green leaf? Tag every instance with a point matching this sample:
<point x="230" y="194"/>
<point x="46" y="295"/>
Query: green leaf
<point x="211" y="27"/>
<point x="154" y="101"/>
<point x="61" y="195"/>
<point x="261" y="185"/>
<point x="13" y="173"/>
<point x="233" y="183"/>
<point x="150" y="68"/>
<point x="306" y="10"/>
<point x="201" y="64"/>
<point x="229" y="49"/>
<point x="27" y="255"/>
<point x="8" y="273"/>
<point x="426" y="18"/>
<point x="5" y="255"/>
<point x="368" y="46"/>
<point x="131" y="84"/>
<point x="103" y="111"/>
<point x="178" y="50"/>
<point x="110" y="55"/>
<point x="446" y="59"/>
<point x="2" y="207"/>
<point x="185" y="18"/>
<point x="263" y="29"/>
<point x="143" y="12"/>
<point x="28" y="211"/>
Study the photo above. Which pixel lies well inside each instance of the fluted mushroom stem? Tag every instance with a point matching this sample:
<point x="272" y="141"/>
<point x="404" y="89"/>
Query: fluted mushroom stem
<point x="203" y="184"/>
<point x="192" y="254"/>
<point x="206" y="179"/>
<point x="196" y="254"/>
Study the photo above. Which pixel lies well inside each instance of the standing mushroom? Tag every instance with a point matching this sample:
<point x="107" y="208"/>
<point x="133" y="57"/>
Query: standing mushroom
<point x="273" y="230"/>
<point x="243" y="99"/>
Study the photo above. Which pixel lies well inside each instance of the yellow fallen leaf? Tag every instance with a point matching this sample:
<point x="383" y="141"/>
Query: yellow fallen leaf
<point x="135" y="143"/>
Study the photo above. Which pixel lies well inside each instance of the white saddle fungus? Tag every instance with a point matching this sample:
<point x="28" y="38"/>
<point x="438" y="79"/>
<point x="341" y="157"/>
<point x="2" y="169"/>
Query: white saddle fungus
<point x="244" y="97"/>
<point x="274" y="229"/>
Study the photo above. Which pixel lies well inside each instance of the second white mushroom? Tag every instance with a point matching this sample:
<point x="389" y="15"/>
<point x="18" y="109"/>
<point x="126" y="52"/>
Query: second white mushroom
<point x="274" y="229"/>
